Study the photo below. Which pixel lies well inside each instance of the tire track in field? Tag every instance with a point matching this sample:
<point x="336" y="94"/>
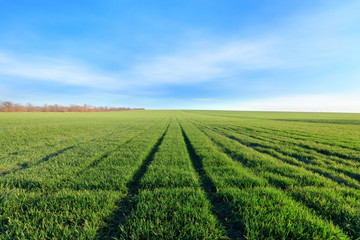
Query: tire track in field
<point x="65" y="140"/>
<point x="26" y="165"/>
<point x="299" y="136"/>
<point x="94" y="163"/>
<point x="221" y="131"/>
<point x="234" y="228"/>
<point x="283" y="155"/>
<point x="262" y="145"/>
<point x="322" y="152"/>
<point x="97" y="161"/>
<point x="133" y="185"/>
<point x="288" y="193"/>
<point x="327" y="174"/>
<point x="44" y="159"/>
<point x="274" y="136"/>
<point x="317" y="139"/>
<point x="355" y="176"/>
<point x="124" y="207"/>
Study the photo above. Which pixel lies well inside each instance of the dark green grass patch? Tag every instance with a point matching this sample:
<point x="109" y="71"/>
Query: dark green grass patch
<point x="179" y="175"/>
<point x="62" y="215"/>
<point x="171" y="166"/>
<point x="336" y="205"/>
<point x="270" y="214"/>
<point x="171" y="214"/>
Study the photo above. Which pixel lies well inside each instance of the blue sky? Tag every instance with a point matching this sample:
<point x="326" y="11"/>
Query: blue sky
<point x="297" y="55"/>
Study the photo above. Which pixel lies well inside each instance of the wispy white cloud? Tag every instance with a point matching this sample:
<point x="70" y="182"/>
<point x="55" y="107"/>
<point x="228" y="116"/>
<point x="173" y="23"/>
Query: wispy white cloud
<point x="324" y="39"/>
<point x="305" y="41"/>
<point x="181" y="67"/>
<point x="63" y="71"/>
<point x="319" y="40"/>
<point x="198" y="64"/>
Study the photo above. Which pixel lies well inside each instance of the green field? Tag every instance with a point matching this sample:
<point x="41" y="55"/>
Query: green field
<point x="179" y="175"/>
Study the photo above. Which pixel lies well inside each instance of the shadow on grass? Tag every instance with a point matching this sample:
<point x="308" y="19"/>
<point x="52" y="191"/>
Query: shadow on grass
<point x="111" y="229"/>
<point x="25" y="165"/>
<point x="235" y="227"/>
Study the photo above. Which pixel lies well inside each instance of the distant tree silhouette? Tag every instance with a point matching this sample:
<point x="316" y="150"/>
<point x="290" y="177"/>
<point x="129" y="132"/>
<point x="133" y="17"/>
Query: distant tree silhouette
<point x="6" y="106"/>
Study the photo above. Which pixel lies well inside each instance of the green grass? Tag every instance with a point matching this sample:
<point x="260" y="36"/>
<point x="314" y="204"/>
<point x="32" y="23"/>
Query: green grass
<point x="179" y="175"/>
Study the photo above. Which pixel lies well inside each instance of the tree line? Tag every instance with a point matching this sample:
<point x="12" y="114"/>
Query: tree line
<point x="6" y="106"/>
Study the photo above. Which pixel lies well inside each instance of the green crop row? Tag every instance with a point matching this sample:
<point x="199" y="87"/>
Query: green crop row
<point x="168" y="200"/>
<point x="255" y="206"/>
<point x="179" y="175"/>
<point x="61" y="207"/>
<point x="341" y="173"/>
<point x="299" y="179"/>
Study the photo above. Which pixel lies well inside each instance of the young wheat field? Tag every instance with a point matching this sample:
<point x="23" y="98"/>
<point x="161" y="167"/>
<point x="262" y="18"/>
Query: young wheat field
<point x="179" y="175"/>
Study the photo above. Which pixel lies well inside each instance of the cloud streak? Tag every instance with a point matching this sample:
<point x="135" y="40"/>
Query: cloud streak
<point x="194" y="65"/>
<point x="182" y="67"/>
<point x="306" y="43"/>
<point x="54" y="70"/>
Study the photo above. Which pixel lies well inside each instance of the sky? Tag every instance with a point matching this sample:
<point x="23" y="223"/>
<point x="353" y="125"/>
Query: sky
<point x="280" y="55"/>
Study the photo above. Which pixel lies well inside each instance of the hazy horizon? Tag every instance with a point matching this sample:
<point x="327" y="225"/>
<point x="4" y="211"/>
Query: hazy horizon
<point x="224" y="55"/>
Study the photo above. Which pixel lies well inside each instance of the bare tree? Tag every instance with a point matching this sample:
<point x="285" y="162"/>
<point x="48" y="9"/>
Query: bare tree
<point x="6" y="106"/>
